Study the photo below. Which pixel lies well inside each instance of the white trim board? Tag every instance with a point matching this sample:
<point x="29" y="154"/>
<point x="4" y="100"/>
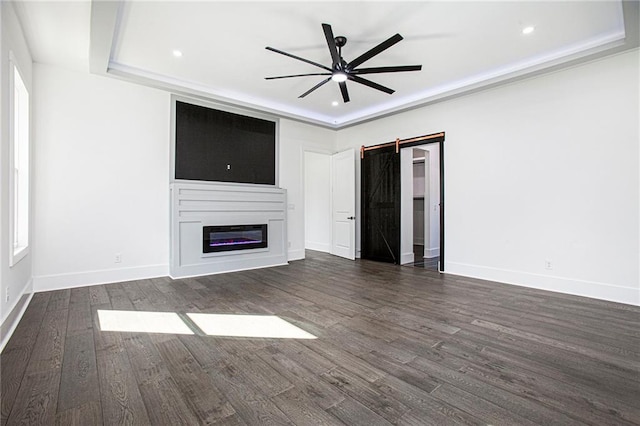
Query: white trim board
<point x="105" y="276"/>
<point x="323" y="247"/>
<point x="11" y="321"/>
<point x="431" y="253"/>
<point x="225" y="271"/>
<point x="595" y="290"/>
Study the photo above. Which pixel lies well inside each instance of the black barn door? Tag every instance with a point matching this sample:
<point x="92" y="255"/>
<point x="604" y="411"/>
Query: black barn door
<point x="380" y="205"/>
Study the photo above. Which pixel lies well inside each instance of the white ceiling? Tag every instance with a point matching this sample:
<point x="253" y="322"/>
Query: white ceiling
<point x="462" y="46"/>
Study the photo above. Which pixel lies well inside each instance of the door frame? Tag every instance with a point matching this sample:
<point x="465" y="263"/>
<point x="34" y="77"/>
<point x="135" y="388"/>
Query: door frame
<point x="409" y="143"/>
<point x="303" y="177"/>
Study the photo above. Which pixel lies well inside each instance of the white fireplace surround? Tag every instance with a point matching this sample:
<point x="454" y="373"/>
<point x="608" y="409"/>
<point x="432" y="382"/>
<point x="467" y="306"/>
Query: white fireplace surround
<point x="195" y="205"/>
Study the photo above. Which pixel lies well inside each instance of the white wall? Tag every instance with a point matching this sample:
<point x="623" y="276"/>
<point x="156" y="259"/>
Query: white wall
<point x="542" y="169"/>
<point x="295" y="139"/>
<point x="15" y="280"/>
<point x="102" y="178"/>
<point x="101" y="181"/>
<point x="317" y="201"/>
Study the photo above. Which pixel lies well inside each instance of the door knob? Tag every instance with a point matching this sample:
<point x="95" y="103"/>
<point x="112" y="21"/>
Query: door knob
<point x="351" y="218"/>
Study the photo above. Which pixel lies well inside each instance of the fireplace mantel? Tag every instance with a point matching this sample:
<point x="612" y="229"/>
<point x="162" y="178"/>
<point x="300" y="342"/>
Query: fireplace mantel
<point x="195" y="206"/>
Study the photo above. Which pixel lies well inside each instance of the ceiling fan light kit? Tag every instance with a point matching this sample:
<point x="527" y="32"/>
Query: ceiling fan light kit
<point x="340" y="71"/>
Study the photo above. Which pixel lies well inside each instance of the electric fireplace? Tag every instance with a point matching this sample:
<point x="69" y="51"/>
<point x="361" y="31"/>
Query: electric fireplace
<point x="234" y="237"/>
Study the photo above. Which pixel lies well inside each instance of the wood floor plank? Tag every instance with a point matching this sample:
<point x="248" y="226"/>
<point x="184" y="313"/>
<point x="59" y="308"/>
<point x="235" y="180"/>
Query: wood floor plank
<point x="165" y="404"/>
<point x="479" y="407"/>
<point x="79" y="320"/>
<point x="616" y="359"/>
<point x="364" y="392"/>
<point x="425" y="409"/>
<point x="120" y="396"/>
<point x="205" y="400"/>
<point x="48" y="350"/>
<point x="518" y="405"/>
<point x="98" y="295"/>
<point x="59" y="300"/>
<point x="579" y="404"/>
<point x="341" y="357"/>
<point x="301" y="411"/>
<point x="305" y="382"/>
<point x="251" y="405"/>
<point x="89" y="413"/>
<point x="37" y="399"/>
<point x="353" y="413"/>
<point x="79" y="380"/>
<point x="12" y="368"/>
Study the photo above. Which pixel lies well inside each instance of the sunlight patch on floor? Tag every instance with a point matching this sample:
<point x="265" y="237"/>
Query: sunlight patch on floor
<point x="142" y="322"/>
<point x="266" y="326"/>
<point x="222" y="325"/>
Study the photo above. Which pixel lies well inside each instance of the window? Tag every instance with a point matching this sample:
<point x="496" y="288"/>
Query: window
<point x="19" y="179"/>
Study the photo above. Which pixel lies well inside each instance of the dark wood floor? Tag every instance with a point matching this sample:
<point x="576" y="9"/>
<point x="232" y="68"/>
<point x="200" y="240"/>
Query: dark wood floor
<point x="395" y="346"/>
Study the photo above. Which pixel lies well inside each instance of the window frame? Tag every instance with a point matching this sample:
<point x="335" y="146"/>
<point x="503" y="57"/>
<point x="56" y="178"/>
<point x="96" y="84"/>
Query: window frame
<point x="19" y="166"/>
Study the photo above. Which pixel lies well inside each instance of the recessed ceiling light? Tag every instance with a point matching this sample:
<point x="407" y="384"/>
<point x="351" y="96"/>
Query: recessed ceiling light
<point x="528" y="30"/>
<point x="177" y="53"/>
<point x="334" y="103"/>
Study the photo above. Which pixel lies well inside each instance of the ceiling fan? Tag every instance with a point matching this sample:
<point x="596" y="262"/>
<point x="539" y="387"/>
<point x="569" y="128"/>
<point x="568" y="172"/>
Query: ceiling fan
<point x="340" y="71"/>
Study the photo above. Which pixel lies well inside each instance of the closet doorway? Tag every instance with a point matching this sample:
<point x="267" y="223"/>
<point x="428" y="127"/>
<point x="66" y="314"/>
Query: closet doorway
<point x="420" y="183"/>
<point x="387" y="203"/>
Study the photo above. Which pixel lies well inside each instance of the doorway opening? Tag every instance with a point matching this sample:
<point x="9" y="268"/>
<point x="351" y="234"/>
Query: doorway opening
<point x="329" y="206"/>
<point x="317" y="201"/>
<point x="423" y="231"/>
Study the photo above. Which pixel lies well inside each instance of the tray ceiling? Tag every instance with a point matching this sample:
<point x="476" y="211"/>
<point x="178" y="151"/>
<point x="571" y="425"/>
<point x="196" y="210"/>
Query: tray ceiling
<point x="461" y="46"/>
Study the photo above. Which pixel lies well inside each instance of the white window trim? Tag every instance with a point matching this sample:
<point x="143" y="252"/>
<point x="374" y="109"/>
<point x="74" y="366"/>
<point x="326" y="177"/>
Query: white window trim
<point x="17" y="253"/>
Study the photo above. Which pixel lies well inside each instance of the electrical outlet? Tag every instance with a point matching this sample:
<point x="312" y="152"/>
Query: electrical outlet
<point x="548" y="264"/>
<point x="6" y="295"/>
<point x="118" y="258"/>
<point x="289" y="244"/>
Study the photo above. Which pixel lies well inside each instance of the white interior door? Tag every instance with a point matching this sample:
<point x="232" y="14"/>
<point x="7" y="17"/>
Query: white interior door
<point x="343" y="202"/>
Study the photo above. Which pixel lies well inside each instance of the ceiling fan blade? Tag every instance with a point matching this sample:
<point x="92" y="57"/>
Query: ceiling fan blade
<point x="376" y="70"/>
<point x="331" y="42"/>
<point x="296" y="75"/>
<point x="371" y="84"/>
<point x="345" y="93"/>
<point x="374" y="51"/>
<point x="314" y="87"/>
<point x="298" y="58"/>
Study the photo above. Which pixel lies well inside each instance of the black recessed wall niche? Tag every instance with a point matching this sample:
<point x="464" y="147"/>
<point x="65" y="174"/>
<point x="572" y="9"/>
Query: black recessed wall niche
<point x="220" y="146"/>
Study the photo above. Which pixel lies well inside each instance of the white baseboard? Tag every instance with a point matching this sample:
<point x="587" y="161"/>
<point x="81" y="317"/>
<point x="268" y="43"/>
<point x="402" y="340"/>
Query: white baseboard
<point x="595" y="290"/>
<point x="82" y="279"/>
<point x="407" y="258"/>
<point x="226" y="271"/>
<point x="431" y="253"/>
<point x="11" y="320"/>
<point x="323" y="247"/>
<point x="295" y="255"/>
